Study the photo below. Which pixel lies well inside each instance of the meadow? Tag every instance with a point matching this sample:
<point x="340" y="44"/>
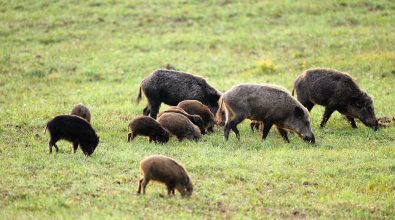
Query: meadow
<point x="54" y="54"/>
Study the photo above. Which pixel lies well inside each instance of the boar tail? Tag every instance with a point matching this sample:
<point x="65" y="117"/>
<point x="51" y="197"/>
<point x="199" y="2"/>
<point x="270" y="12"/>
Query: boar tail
<point x="138" y="96"/>
<point x="218" y="114"/>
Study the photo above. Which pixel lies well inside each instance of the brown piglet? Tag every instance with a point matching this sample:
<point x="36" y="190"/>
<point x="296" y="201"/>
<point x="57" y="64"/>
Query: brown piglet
<point x="165" y="170"/>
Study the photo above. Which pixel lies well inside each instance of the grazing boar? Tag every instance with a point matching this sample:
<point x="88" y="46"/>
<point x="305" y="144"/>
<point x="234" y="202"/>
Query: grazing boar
<point x="194" y="118"/>
<point x="147" y="126"/>
<point x="165" y="170"/>
<point x="74" y="129"/>
<point x="180" y="126"/>
<point x="336" y="91"/>
<point x="172" y="87"/>
<point x="270" y="104"/>
<point x="82" y="111"/>
<point x="194" y="107"/>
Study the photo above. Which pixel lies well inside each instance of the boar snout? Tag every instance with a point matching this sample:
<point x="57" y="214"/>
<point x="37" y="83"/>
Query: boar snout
<point x="309" y="139"/>
<point x="372" y="124"/>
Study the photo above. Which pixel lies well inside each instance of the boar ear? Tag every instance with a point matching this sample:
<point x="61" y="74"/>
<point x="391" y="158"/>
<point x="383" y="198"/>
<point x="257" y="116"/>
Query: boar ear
<point x="298" y="112"/>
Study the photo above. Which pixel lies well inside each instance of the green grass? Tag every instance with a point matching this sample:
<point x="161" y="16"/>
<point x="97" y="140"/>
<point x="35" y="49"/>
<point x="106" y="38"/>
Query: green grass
<point x="54" y="54"/>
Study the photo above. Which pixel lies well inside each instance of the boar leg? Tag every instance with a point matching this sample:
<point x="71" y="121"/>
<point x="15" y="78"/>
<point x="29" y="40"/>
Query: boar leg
<point x="170" y="189"/>
<point x="253" y="126"/>
<point x="52" y="143"/>
<point x="232" y="125"/>
<point x="266" y="128"/>
<point x="352" y="121"/>
<point x="50" y="147"/>
<point x="226" y="131"/>
<point x="139" y="189"/>
<point x="154" y="108"/>
<point x="283" y="134"/>
<point x="144" y="183"/>
<point x="146" y="111"/>
<point x="75" y="147"/>
<point x="309" y="105"/>
<point x="56" y="148"/>
<point x="236" y="131"/>
<point x="327" y="114"/>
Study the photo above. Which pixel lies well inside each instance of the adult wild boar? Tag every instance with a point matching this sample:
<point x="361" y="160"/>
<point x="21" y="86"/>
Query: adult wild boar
<point x="270" y="104"/>
<point x="336" y="91"/>
<point x="172" y="87"/>
<point x="74" y="129"/>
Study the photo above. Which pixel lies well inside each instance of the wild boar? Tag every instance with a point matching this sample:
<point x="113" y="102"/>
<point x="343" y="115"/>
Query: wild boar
<point x="74" y="129"/>
<point x="195" y="119"/>
<point x="336" y="91"/>
<point x="82" y="111"/>
<point x="267" y="103"/>
<point x="172" y="87"/>
<point x="165" y="170"/>
<point x="194" y="107"/>
<point x="180" y="126"/>
<point x="147" y="126"/>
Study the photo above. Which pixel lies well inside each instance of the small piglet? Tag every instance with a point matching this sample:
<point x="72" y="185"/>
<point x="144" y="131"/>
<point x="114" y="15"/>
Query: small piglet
<point x="195" y="119"/>
<point x="82" y="111"/>
<point x="195" y="107"/>
<point x="147" y="126"/>
<point x="180" y="126"/>
<point x="336" y="91"/>
<point x="266" y="103"/>
<point x="165" y="170"/>
<point x="74" y="129"/>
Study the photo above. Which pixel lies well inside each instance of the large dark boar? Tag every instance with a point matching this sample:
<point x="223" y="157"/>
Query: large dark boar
<point x="165" y="170"/>
<point x="74" y="129"/>
<point x="336" y="91"/>
<point x="147" y="126"/>
<point x="180" y="126"/>
<point x="195" y="107"/>
<point x="82" y="111"/>
<point x="172" y="87"/>
<point x="267" y="103"/>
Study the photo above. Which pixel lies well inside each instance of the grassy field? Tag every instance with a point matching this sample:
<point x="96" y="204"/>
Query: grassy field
<point x="54" y="54"/>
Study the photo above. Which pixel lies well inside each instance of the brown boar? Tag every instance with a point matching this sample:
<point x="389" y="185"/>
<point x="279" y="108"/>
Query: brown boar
<point x="195" y="119"/>
<point x="195" y="107"/>
<point x="74" y="129"/>
<point x="147" y="126"/>
<point x="270" y="104"/>
<point x="180" y="126"/>
<point x="165" y="170"/>
<point x="82" y="111"/>
<point x="172" y="87"/>
<point x="336" y="91"/>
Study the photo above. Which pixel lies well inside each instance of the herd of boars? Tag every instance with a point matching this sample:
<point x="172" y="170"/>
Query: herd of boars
<point x="196" y="107"/>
